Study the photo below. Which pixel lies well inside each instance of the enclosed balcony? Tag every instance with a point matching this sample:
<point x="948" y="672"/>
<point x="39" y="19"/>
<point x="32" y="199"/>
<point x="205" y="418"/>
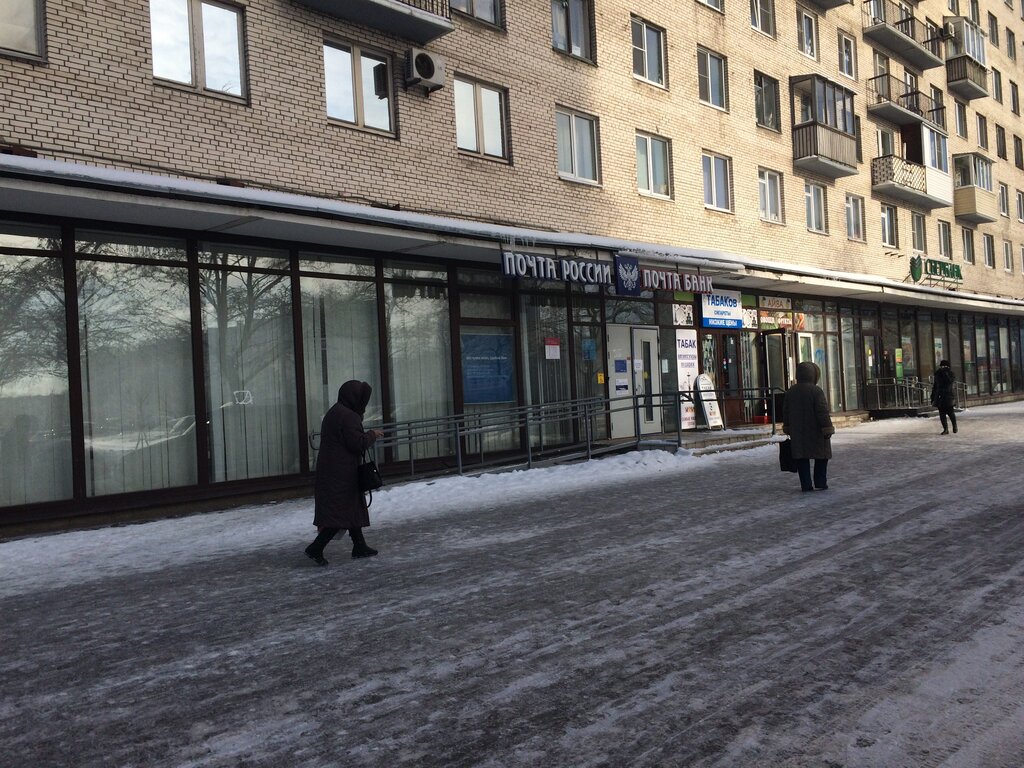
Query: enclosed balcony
<point x="824" y="129"/>
<point x="828" y="5"/>
<point x="891" y="99"/>
<point x="966" y="73"/>
<point x="973" y="198"/>
<point x="417" y="20"/>
<point x="895" y="177"/>
<point x="892" y="26"/>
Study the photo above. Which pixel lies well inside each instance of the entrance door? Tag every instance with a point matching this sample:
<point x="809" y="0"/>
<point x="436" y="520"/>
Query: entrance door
<point x="777" y="348"/>
<point x="634" y="370"/>
<point x="720" y="359"/>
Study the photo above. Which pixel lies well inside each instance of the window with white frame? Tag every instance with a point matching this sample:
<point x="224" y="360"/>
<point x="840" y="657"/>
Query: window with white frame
<point x="198" y="43"/>
<point x="577" y="145"/>
<point x="762" y="16"/>
<point x="480" y="118"/>
<point x="712" y="79"/>
<point x="886" y="142"/>
<point x="770" y="195"/>
<point x="718" y="5"/>
<point x="1020" y="206"/>
<point x="717" y="186"/>
<point x="847" y="55"/>
<point x="653" y="175"/>
<point x="814" y="203"/>
<point x="967" y="238"/>
<point x="766" y="101"/>
<point x="945" y="240"/>
<point x="854" y="217"/>
<point x="21" y="27"/>
<point x="1004" y="200"/>
<point x="938" y="111"/>
<point x="485" y="10"/>
<point x="918" y="237"/>
<point x="982" y="132"/>
<point x="648" y="51"/>
<point x="571" y="27"/>
<point x="989" y="246"/>
<point x="936" y="154"/>
<point x="890" y="226"/>
<point x="961" y="117"/>
<point x="358" y="86"/>
<point x="807" y="32"/>
<point x="1007" y="255"/>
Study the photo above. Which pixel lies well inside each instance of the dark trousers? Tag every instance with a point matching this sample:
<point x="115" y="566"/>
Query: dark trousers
<point x="326" y="534"/>
<point x="944" y="411"/>
<point x="803" y="468"/>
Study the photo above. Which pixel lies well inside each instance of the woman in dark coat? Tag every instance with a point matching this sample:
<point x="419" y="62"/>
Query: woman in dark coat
<point x="942" y="395"/>
<point x="806" y="420"/>
<point x="338" y="501"/>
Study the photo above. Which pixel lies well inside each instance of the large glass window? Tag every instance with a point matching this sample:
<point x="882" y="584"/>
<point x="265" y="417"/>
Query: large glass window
<point x="570" y="27"/>
<point x="21" y="27"/>
<point x="137" y="390"/>
<point x="545" y="338"/>
<point x="249" y="363"/>
<point x="419" y="360"/>
<point x="480" y="118"/>
<point x="358" y="87"/>
<point x="180" y="27"/>
<point x="489" y="382"/>
<point x="341" y="342"/>
<point x="35" y="418"/>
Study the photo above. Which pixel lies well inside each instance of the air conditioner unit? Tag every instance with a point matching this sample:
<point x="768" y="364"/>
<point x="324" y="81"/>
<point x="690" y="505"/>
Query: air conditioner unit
<point x="424" y="69"/>
<point x="948" y="30"/>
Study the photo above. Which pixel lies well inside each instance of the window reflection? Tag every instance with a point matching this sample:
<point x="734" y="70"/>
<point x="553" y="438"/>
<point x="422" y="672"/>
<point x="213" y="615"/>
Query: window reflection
<point x="172" y="57"/>
<point x="35" y="432"/>
<point x="222" y="49"/>
<point x="137" y="394"/>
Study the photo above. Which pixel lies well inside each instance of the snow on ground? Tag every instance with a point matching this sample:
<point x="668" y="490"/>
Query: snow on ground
<point x="651" y="609"/>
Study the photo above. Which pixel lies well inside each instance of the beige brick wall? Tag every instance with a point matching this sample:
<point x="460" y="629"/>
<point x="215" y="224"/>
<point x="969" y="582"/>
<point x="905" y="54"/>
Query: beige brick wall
<point x="94" y="100"/>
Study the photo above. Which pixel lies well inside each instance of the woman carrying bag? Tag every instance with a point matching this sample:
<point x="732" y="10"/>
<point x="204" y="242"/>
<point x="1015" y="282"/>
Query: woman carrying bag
<point x="805" y="418"/>
<point x="339" y="503"/>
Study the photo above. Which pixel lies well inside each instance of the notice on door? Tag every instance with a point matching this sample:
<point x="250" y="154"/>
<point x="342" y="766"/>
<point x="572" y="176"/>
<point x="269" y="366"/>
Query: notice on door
<point x="709" y="401"/>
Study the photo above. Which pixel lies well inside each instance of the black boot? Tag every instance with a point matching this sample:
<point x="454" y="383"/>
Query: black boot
<point x="315" y="551"/>
<point x="359" y="546"/>
<point x="316" y="556"/>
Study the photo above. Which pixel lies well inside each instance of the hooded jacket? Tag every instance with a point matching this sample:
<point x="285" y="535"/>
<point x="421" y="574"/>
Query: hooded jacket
<point x="338" y="501"/>
<point x="805" y="416"/>
<point x="942" y="387"/>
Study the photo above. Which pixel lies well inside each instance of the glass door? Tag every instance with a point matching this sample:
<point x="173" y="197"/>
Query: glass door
<point x="777" y="354"/>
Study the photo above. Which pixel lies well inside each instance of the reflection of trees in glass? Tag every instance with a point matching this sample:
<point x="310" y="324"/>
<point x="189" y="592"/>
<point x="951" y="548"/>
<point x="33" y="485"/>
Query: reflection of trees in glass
<point x="32" y="329"/>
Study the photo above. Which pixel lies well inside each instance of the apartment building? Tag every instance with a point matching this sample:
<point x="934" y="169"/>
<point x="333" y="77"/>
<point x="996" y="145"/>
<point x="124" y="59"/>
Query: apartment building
<point x="214" y="213"/>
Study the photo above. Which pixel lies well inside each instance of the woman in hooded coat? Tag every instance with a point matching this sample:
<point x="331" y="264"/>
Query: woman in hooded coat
<point x="806" y="420"/>
<point x="339" y="504"/>
<point x="943" y="395"/>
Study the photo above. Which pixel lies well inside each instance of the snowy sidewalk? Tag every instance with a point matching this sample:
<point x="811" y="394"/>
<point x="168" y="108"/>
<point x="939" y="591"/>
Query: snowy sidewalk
<point x="640" y="610"/>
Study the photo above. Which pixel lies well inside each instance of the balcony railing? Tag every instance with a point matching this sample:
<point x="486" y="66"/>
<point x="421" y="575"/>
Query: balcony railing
<point x="890" y="168"/>
<point x="417" y="20"/>
<point x="966" y="77"/>
<point x="823" y="149"/>
<point x="891" y="98"/>
<point x="888" y="24"/>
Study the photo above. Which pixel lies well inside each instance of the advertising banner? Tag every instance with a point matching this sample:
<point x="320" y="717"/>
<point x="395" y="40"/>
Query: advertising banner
<point x="709" y="401"/>
<point x="687" y="370"/>
<point x="722" y="309"/>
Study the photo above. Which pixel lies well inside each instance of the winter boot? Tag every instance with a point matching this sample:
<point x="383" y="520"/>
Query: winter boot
<point x="317" y="556"/>
<point x="359" y="546"/>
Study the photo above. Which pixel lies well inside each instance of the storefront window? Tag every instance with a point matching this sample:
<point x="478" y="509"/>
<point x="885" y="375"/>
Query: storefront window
<point x="489" y="380"/>
<point x="545" y="354"/>
<point x="242" y="257"/>
<point x="588" y="341"/>
<point x="129" y="246"/>
<point x="888" y="367"/>
<point x="1015" y="362"/>
<point x="955" y="347"/>
<point x="981" y="359"/>
<point x="347" y="266"/>
<point x="414" y="271"/>
<point x="1004" y="355"/>
<point x="35" y="418"/>
<point x="995" y="356"/>
<point x="481" y="305"/>
<point x="419" y="362"/>
<point x="137" y="391"/>
<point x="835" y="397"/>
<point x="586" y="309"/>
<point x="970" y="364"/>
<point x="926" y="344"/>
<point x="908" y="344"/>
<point x="249" y="364"/>
<point x="626" y="312"/>
<point x="341" y="342"/>
<point x="29" y="237"/>
<point x="851" y="366"/>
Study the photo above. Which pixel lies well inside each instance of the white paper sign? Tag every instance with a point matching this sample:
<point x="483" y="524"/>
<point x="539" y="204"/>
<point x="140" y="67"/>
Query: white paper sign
<point x="709" y="401"/>
<point x="687" y="368"/>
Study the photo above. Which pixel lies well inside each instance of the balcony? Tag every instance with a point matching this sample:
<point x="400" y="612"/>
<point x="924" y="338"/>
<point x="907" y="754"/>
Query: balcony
<point x="895" y="177"/>
<point x="966" y="77"/>
<point x="887" y="24"/>
<point x="891" y="99"/>
<point x="975" y="205"/>
<point x="824" y="150"/>
<point x="417" y="20"/>
<point x="828" y="5"/>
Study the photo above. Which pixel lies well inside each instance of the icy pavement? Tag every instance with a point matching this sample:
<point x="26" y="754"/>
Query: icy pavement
<point x="641" y="610"/>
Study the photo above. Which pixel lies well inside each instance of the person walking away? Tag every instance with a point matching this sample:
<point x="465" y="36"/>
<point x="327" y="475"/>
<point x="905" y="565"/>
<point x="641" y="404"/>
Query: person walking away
<point x="943" y="396"/>
<point x="338" y="502"/>
<point x="806" y="420"/>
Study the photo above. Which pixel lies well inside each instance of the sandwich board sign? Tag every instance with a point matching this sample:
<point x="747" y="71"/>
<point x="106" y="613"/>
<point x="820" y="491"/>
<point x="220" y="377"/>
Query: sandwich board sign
<point x="709" y="401"/>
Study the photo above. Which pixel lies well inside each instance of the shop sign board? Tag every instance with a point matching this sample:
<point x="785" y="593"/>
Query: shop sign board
<point x="546" y="268"/>
<point x="687" y="370"/>
<point x="935" y="268"/>
<point x="772" y="320"/>
<point x="722" y="310"/>
<point x="774" y="302"/>
<point x="709" y="401"/>
<point x="631" y="279"/>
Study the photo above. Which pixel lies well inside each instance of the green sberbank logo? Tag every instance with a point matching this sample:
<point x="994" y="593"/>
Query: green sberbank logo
<point x="940" y="269"/>
<point x="916" y="268"/>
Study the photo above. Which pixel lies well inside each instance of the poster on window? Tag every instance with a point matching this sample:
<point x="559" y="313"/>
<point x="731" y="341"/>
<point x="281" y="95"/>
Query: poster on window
<point x="687" y="369"/>
<point x="487" y="368"/>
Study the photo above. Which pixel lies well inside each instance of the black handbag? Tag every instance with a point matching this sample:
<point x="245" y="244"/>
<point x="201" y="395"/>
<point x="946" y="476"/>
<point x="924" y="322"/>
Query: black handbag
<point x="369" y="476"/>
<point x="786" y="461"/>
